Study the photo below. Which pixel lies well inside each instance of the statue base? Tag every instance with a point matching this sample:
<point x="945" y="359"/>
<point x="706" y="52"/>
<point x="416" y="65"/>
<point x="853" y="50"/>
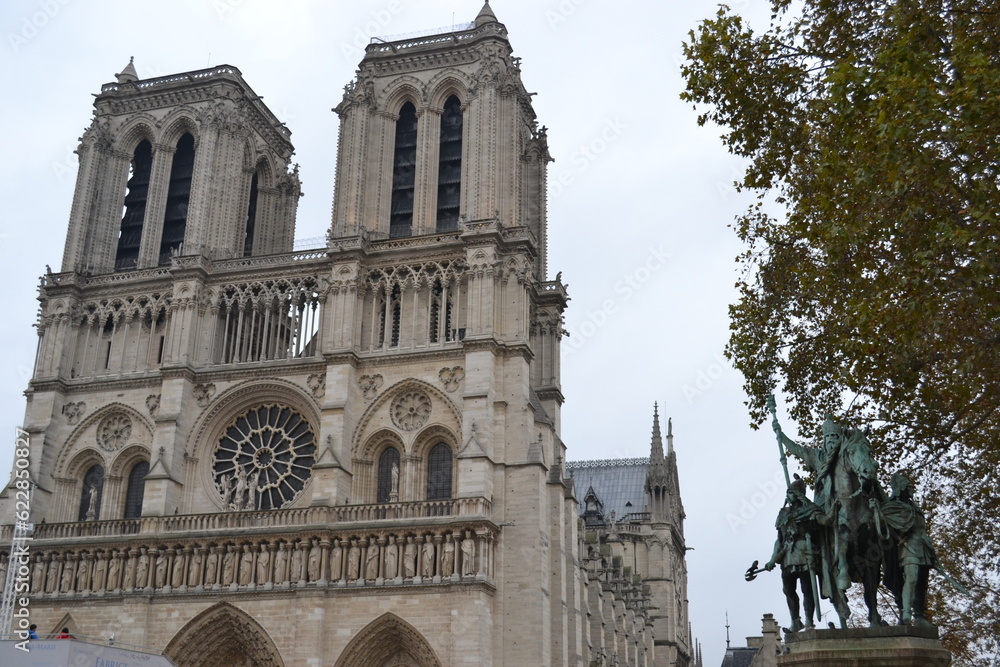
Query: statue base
<point x="890" y="646"/>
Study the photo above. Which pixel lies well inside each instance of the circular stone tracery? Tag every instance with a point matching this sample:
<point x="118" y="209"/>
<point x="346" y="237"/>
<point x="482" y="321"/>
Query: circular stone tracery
<point x="264" y="458"/>
<point x="411" y="410"/>
<point x="114" y="431"/>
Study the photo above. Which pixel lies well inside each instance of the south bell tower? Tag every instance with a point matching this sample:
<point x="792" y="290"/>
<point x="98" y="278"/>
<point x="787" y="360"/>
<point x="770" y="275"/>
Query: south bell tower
<point x="239" y="447"/>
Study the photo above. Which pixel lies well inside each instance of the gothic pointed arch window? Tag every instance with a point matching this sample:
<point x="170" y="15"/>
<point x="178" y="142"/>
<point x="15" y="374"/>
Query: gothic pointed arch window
<point x="404" y="170"/>
<point x="136" y="193"/>
<point x="248" y="237"/>
<point x="90" y="496"/>
<point x="449" y="196"/>
<point x="178" y="196"/>
<point x="388" y="476"/>
<point x="136" y="490"/>
<point x="439" y="472"/>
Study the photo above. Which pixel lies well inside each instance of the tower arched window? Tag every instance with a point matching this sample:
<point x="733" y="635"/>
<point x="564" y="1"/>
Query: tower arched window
<point x="178" y="196"/>
<point x="439" y="472"/>
<point x="449" y="196"/>
<point x="90" y="497"/>
<point x="248" y="238"/>
<point x="388" y="480"/>
<point x="136" y="489"/>
<point x="136" y="193"/>
<point x="404" y="170"/>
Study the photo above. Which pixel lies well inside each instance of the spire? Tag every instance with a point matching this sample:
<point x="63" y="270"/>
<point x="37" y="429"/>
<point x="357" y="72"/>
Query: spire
<point x="727" y="629"/>
<point x="656" y="446"/>
<point x="486" y="15"/>
<point x="128" y="74"/>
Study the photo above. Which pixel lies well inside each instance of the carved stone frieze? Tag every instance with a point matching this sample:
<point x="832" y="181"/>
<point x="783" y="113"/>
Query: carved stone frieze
<point x="153" y="404"/>
<point x="370" y="384"/>
<point x="203" y="394"/>
<point x="452" y="377"/>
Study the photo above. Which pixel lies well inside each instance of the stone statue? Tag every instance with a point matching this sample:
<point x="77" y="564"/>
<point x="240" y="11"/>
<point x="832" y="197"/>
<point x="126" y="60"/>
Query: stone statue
<point x="68" y="574"/>
<point x="114" y="570"/>
<point x="92" y="503"/>
<point x="409" y="558"/>
<point x="177" y="576"/>
<point x="100" y="573"/>
<point x="38" y="575"/>
<point x="212" y="567"/>
<point x="53" y="575"/>
<point x="336" y="561"/>
<point x="281" y="564"/>
<point x="252" y="489"/>
<point x="246" y="566"/>
<point x="263" y="565"/>
<point x="161" y="568"/>
<point x="296" y="573"/>
<point x="194" y="568"/>
<point x="353" y="560"/>
<point x="228" y="566"/>
<point x="371" y="560"/>
<point x="391" y="559"/>
<point x="83" y="573"/>
<point x="142" y="569"/>
<point x="448" y="558"/>
<point x="902" y="522"/>
<point x="795" y="551"/>
<point x="242" y="485"/>
<point x="394" y="488"/>
<point x="468" y="555"/>
<point x="226" y="489"/>
<point x="314" y="555"/>
<point x="427" y="557"/>
<point x="845" y="474"/>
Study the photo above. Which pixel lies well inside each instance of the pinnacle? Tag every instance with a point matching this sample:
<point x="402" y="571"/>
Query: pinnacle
<point x="128" y="74"/>
<point x="656" y="444"/>
<point x="486" y="15"/>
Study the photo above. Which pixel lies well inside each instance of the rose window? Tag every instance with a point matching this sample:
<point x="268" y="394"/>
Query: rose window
<point x="264" y="459"/>
<point x="114" y="432"/>
<point x="411" y="410"/>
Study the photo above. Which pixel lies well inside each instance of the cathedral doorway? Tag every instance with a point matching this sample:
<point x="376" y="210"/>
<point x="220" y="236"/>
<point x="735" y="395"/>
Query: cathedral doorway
<point x="388" y="641"/>
<point x="223" y="636"/>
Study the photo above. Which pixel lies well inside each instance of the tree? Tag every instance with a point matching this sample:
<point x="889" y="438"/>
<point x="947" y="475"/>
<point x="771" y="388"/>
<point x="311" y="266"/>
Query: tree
<point x="875" y="127"/>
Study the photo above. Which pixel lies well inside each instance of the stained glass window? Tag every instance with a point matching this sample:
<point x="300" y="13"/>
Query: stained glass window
<point x="439" y="472"/>
<point x="136" y="488"/>
<point x="386" y="462"/>
<point x="90" y="498"/>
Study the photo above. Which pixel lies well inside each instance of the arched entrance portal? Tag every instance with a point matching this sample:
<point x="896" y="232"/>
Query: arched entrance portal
<point x="388" y="641"/>
<point x="223" y="636"/>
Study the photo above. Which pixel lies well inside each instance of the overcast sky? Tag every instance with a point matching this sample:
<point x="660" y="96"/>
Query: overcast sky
<point x="640" y="207"/>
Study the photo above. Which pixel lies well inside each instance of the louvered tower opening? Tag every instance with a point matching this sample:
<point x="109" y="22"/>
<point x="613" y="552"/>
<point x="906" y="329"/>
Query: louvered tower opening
<point x="136" y="193"/>
<point x="404" y="173"/>
<point x="450" y="167"/>
<point x="178" y="194"/>
<point x="251" y="218"/>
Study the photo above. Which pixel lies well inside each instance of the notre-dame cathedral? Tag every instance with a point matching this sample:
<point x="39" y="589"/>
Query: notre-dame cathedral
<point x="244" y="454"/>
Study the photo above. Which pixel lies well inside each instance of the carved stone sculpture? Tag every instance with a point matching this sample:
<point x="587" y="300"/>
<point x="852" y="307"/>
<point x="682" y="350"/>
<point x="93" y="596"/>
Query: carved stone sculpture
<point x="468" y="555"/>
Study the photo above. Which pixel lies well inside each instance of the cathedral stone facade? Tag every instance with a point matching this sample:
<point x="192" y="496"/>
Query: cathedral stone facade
<point x="247" y="455"/>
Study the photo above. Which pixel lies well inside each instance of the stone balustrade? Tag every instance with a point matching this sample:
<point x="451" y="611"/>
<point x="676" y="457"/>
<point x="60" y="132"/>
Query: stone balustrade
<point x="238" y="521"/>
<point x="456" y="553"/>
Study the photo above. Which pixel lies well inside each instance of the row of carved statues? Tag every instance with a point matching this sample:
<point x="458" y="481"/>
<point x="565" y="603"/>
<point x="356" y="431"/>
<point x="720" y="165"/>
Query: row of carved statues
<point x="357" y="560"/>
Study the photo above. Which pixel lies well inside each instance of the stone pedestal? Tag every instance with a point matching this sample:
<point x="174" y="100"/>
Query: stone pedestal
<point x="891" y="646"/>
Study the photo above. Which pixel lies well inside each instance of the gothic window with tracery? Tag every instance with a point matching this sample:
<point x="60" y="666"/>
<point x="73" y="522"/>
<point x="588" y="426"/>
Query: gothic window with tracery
<point x="439" y="471"/>
<point x="404" y="171"/>
<point x="90" y="497"/>
<point x="449" y="196"/>
<point x="264" y="459"/>
<point x="390" y="310"/>
<point x="136" y="193"/>
<point x="388" y="476"/>
<point x="178" y="194"/>
<point x="136" y="490"/>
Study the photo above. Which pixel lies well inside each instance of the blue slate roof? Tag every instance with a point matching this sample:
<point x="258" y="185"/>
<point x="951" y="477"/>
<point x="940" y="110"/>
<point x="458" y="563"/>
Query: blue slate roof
<point x="739" y="657"/>
<point x="615" y="481"/>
